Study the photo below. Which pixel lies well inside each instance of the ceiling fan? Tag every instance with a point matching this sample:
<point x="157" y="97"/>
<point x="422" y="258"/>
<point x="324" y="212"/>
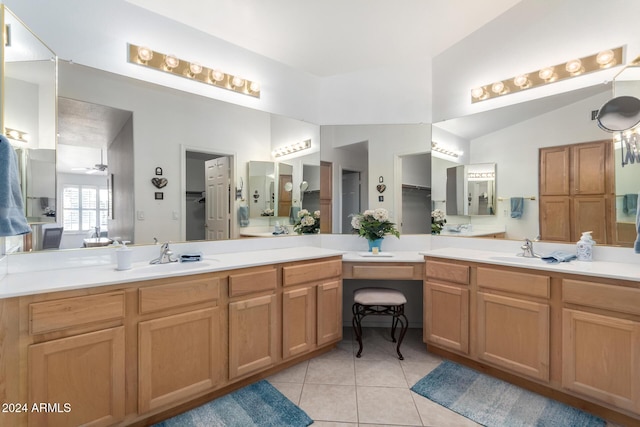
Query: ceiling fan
<point x="98" y="167"/>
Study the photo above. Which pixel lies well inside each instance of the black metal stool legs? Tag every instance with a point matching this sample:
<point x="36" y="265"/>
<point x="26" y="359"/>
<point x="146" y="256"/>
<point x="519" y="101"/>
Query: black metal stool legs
<point x="396" y="311"/>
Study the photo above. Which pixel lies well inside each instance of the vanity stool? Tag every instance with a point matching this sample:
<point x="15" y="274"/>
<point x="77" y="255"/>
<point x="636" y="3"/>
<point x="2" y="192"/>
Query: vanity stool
<point x="379" y="302"/>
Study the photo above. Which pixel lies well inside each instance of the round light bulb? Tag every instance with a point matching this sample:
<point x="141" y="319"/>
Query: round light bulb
<point x="574" y="66"/>
<point x="216" y="75"/>
<point x="546" y="73"/>
<point x="254" y="87"/>
<point x="195" y="68"/>
<point x="521" y="81"/>
<point x="144" y="53"/>
<point x="497" y="87"/>
<point x="26" y="137"/>
<point x="605" y="58"/>
<point x="237" y="81"/>
<point x="14" y="134"/>
<point x="478" y="92"/>
<point x="171" y="61"/>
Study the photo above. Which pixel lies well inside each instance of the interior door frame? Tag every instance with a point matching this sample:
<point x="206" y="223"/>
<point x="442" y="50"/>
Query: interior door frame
<point x="183" y="186"/>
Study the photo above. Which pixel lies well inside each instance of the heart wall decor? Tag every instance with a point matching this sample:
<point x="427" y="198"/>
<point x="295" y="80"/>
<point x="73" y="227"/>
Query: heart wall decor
<point x="381" y="188"/>
<point x="159" y="182"/>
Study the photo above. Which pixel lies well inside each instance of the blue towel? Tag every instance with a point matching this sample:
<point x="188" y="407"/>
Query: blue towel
<point x="243" y="216"/>
<point x="559" y="256"/>
<point x="517" y="206"/>
<point x="12" y="219"/>
<point x="636" y="246"/>
<point x="629" y="204"/>
<point x="293" y="214"/>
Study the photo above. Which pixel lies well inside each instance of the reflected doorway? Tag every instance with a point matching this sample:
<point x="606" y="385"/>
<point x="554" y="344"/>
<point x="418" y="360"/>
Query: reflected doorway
<point x="416" y="194"/>
<point x="350" y="198"/>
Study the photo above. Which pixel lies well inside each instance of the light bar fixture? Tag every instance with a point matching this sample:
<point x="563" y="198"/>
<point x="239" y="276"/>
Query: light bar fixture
<point x="169" y="63"/>
<point x="444" y="150"/>
<point x="572" y="68"/>
<point x="290" y="149"/>
<point x="16" y="135"/>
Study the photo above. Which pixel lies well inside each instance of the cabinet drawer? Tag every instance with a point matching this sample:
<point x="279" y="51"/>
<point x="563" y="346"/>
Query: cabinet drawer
<point x="609" y="297"/>
<point x="385" y="271"/>
<point x="516" y="282"/>
<point x="296" y="274"/>
<point x="184" y="292"/>
<point x="250" y="282"/>
<point x="69" y="312"/>
<point x="449" y="272"/>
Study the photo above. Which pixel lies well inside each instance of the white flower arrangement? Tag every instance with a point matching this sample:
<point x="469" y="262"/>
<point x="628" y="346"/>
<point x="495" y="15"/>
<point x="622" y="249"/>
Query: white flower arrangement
<point x="373" y="224"/>
<point x="438" y="221"/>
<point x="308" y="223"/>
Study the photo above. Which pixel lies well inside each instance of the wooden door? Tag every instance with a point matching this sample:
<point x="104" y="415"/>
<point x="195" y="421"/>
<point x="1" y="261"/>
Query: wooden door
<point x="601" y="357"/>
<point x="590" y="214"/>
<point x="86" y="371"/>
<point x="446" y="316"/>
<point x="329" y="319"/>
<point x="588" y="177"/>
<point x="179" y="356"/>
<point x="554" y="171"/>
<point x="555" y="218"/>
<point x="514" y="334"/>
<point x="217" y="206"/>
<point x="298" y="321"/>
<point x="326" y="197"/>
<point x="252" y="335"/>
<point x="284" y="195"/>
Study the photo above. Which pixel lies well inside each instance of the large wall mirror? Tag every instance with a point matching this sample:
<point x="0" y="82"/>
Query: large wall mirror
<point x="29" y="121"/>
<point x="511" y="137"/>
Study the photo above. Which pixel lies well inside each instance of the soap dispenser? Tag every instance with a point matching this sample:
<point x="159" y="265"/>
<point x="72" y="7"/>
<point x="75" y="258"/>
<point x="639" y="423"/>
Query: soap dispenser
<point x="123" y="256"/>
<point x="585" y="247"/>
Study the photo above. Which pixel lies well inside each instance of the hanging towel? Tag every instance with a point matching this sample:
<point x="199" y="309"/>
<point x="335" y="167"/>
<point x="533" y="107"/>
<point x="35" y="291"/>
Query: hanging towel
<point x="559" y="256"/>
<point x="243" y="216"/>
<point x="517" y="206"/>
<point x="636" y="246"/>
<point x="629" y="204"/>
<point x="293" y="214"/>
<point x="12" y="219"/>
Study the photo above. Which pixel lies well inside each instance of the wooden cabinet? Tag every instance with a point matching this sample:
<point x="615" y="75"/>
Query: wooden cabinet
<point x="601" y="342"/>
<point x="326" y="197"/>
<point x="577" y="192"/>
<point x="311" y="306"/>
<point x="83" y="375"/>
<point x="513" y="331"/>
<point x="446" y="305"/>
<point x="253" y="321"/>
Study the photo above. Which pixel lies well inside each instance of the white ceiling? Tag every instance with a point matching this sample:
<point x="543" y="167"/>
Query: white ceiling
<point x="331" y="37"/>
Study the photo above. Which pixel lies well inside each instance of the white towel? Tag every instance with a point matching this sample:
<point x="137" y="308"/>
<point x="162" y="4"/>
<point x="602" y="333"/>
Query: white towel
<point x="12" y="219"/>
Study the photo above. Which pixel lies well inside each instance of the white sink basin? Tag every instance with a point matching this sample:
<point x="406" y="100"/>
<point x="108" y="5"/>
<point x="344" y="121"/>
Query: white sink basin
<point x="176" y="266"/>
<point x="516" y="259"/>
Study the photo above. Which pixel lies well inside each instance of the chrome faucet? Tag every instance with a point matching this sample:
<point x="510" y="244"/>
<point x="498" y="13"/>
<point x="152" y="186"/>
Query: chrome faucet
<point x="527" y="250"/>
<point x="166" y="255"/>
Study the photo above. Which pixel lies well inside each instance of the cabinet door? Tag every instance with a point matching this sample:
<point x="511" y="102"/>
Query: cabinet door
<point x="178" y="356"/>
<point x="298" y="321"/>
<point x="555" y="216"/>
<point x="329" y="317"/>
<point x="588" y="175"/>
<point x="590" y="214"/>
<point x="514" y="334"/>
<point x="554" y="171"/>
<point x="601" y="357"/>
<point x="252" y="335"/>
<point x="446" y="316"/>
<point x="85" y="371"/>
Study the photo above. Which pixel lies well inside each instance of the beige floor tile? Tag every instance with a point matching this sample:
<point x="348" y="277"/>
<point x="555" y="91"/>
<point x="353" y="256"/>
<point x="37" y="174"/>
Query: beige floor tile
<point x="344" y="350"/>
<point x="377" y="344"/>
<point x="332" y="424"/>
<point x="330" y="402"/>
<point x="434" y="415"/>
<point x="324" y="370"/>
<point x="415" y="371"/>
<point x="382" y="373"/>
<point x="294" y="374"/>
<point x="385" y="405"/>
<point x="291" y="391"/>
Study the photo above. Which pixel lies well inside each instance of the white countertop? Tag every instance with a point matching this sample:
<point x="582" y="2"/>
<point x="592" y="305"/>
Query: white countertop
<point x="607" y="269"/>
<point x="36" y="282"/>
<point x="394" y="256"/>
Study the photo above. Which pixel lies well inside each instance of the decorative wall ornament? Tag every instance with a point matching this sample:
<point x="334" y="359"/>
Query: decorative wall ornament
<point x="159" y="182"/>
<point x="158" y="171"/>
<point x="381" y="188"/>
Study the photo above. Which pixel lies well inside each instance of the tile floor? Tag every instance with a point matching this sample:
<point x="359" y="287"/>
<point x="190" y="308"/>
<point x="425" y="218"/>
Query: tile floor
<point x="339" y="390"/>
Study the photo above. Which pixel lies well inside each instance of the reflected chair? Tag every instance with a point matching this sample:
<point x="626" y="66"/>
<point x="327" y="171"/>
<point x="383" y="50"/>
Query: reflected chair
<point x="380" y="302"/>
<point x="52" y="237"/>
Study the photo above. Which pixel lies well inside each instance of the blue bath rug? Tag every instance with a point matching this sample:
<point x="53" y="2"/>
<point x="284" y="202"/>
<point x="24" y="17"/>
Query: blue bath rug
<point x="496" y="403"/>
<point x="259" y="404"/>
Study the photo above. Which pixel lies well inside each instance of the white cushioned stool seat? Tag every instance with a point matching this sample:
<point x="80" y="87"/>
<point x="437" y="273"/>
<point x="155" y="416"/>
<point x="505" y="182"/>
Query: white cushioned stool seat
<point x="379" y="296"/>
<point x="379" y="302"/>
